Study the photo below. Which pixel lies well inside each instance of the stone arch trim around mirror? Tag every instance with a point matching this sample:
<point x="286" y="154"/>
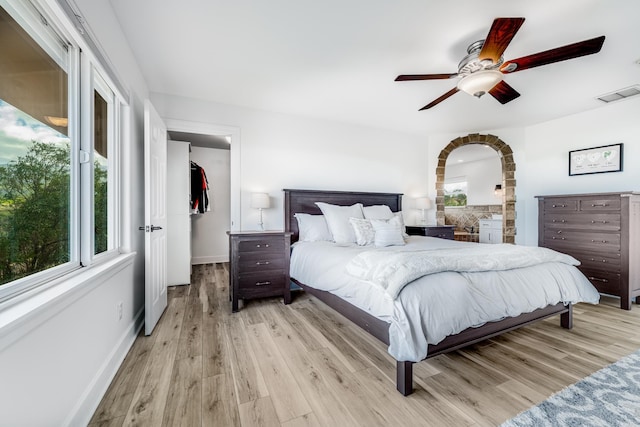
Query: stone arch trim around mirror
<point x="508" y="180"/>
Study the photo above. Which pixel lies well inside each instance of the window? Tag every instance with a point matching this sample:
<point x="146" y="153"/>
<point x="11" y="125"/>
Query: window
<point x="455" y="193"/>
<point x="57" y="185"/>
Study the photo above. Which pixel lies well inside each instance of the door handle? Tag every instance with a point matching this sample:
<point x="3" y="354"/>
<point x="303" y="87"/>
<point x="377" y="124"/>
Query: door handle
<point x="147" y="229"/>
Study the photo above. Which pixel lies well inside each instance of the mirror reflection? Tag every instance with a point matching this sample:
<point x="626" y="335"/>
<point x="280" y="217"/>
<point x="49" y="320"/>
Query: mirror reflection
<point x="473" y="203"/>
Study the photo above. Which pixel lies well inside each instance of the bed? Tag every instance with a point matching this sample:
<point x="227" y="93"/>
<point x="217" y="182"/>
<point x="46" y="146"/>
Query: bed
<point x="304" y="202"/>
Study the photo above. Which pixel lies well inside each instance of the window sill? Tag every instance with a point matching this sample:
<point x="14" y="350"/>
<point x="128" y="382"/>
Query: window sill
<point x="38" y="305"/>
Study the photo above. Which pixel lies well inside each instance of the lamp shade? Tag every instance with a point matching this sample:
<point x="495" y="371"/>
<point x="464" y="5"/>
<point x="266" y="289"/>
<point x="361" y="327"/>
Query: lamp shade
<point x="260" y="201"/>
<point x="423" y="203"/>
<point x="480" y="82"/>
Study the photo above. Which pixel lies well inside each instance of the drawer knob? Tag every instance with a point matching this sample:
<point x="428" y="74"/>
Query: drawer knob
<point x="265" y="283"/>
<point x="597" y="279"/>
<point x="262" y="263"/>
<point x="259" y="245"/>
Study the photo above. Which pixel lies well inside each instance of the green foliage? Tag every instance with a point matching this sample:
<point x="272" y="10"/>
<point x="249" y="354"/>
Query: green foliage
<point x="34" y="211"/>
<point x="455" y="199"/>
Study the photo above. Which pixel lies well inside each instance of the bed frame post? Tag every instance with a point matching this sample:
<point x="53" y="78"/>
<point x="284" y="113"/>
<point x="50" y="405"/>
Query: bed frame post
<point x="566" y="318"/>
<point x="404" y="377"/>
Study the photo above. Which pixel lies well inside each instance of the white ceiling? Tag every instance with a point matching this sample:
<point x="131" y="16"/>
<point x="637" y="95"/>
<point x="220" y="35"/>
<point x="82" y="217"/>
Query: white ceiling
<point x="337" y="59"/>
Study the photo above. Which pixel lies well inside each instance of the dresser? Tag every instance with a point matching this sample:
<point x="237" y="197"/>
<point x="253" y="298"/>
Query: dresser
<point x="602" y="231"/>
<point x="259" y="265"/>
<point x="441" y="231"/>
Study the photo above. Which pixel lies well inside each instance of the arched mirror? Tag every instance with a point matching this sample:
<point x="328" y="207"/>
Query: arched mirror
<point x="475" y="185"/>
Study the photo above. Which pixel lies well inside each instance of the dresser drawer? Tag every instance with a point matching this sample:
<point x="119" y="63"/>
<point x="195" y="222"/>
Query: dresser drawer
<point x="593" y="222"/>
<point x="594" y="204"/>
<point x="262" y="245"/>
<point x="608" y="261"/>
<point x="256" y="261"/>
<point x="560" y="205"/>
<point x="604" y="281"/>
<point x="601" y="242"/>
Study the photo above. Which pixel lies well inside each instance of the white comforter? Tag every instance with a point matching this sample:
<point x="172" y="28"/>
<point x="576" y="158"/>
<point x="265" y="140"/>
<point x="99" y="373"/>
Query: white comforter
<point x="440" y="304"/>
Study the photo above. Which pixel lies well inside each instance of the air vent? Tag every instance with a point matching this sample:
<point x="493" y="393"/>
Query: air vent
<point x="620" y="94"/>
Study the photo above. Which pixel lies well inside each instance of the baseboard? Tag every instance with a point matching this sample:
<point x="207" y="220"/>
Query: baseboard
<point x="209" y="259"/>
<point x="87" y="405"/>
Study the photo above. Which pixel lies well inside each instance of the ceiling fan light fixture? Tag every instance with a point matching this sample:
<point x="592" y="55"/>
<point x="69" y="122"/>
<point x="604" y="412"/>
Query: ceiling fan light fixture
<point x="480" y="82"/>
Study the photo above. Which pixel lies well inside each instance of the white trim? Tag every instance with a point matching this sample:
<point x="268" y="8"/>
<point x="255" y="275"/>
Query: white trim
<point x="209" y="259"/>
<point x="214" y="129"/>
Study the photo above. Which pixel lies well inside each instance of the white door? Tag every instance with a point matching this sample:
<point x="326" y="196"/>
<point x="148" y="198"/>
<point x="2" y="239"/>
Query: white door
<point x="155" y="217"/>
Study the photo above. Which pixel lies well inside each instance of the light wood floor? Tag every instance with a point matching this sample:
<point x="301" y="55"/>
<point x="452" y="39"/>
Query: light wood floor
<point x="305" y="365"/>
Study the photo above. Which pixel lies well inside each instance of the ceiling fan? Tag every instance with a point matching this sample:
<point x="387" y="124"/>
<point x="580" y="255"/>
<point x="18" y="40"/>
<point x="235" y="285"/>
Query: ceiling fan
<point x="482" y="70"/>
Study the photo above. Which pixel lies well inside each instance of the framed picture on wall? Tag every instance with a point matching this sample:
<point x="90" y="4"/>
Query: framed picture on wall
<point x="607" y="158"/>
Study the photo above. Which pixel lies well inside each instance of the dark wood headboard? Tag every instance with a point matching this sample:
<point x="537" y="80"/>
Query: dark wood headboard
<point x="303" y="201"/>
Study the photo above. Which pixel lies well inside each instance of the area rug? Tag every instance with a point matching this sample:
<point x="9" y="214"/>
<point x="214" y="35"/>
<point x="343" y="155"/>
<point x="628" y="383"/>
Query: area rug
<point x="609" y="397"/>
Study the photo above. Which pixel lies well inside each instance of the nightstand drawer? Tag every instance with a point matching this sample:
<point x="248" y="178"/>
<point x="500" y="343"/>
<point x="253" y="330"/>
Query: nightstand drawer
<point x="262" y="245"/>
<point x="252" y="261"/>
<point x="263" y="282"/>
<point x="443" y="232"/>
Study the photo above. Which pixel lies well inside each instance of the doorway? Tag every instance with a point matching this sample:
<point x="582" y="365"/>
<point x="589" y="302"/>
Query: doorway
<point x="216" y="150"/>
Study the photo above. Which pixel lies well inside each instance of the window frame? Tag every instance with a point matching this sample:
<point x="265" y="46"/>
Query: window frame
<point x="59" y="38"/>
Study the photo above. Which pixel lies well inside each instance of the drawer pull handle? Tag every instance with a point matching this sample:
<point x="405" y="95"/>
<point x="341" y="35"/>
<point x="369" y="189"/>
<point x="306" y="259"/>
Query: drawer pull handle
<point x="601" y="222"/>
<point x="593" y="259"/>
<point x="597" y="279"/>
<point x="263" y="283"/>
<point x="599" y="241"/>
<point x="558" y="206"/>
<point x="561" y="238"/>
<point x="599" y="205"/>
<point x="259" y="246"/>
<point x="559" y="231"/>
<point x="262" y="263"/>
<point x="561" y="220"/>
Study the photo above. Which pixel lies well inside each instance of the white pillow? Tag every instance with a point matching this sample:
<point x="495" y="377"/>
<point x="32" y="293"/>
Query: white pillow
<point x="401" y="219"/>
<point x="365" y="235"/>
<point x="388" y="232"/>
<point x="312" y="228"/>
<point x="377" y="212"/>
<point x="337" y="218"/>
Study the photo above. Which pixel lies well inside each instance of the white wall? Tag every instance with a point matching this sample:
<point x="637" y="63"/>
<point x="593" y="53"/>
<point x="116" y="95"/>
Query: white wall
<point x="482" y="176"/>
<point x="57" y="361"/>
<point x="209" y="240"/>
<point x="284" y="151"/>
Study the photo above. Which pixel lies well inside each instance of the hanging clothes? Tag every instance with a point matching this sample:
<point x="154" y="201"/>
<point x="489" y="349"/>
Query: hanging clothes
<point x="199" y="190"/>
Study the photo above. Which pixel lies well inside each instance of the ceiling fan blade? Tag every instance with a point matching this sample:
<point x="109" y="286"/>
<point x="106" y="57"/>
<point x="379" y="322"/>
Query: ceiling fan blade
<point x="405" y="77"/>
<point x="503" y="92"/>
<point x="500" y="35"/>
<point x="558" y="54"/>
<point x="439" y="100"/>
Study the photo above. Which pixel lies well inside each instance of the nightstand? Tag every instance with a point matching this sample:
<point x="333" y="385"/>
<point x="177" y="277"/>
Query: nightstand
<point x="441" y="231"/>
<point x="259" y="265"/>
